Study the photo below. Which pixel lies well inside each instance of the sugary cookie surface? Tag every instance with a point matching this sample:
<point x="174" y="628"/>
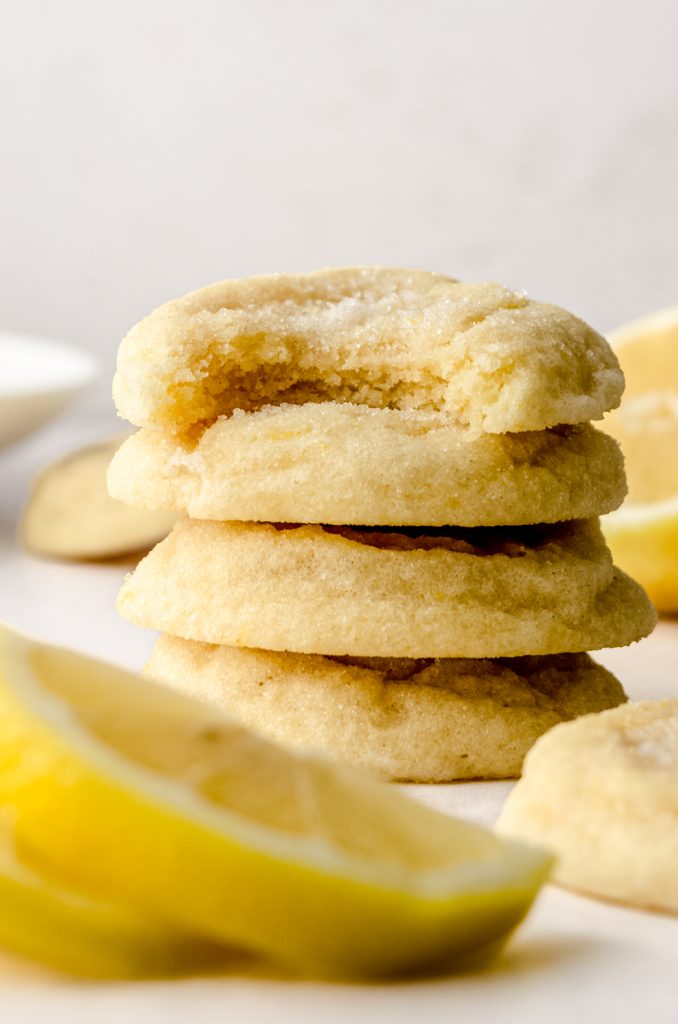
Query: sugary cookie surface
<point x="442" y="593"/>
<point x="418" y="720"/>
<point x="602" y="793"/>
<point x="380" y="337"/>
<point x="340" y="463"/>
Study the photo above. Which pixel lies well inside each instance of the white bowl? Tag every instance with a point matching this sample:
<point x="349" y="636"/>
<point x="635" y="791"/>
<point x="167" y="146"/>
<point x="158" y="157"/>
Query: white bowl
<point x="38" y="378"/>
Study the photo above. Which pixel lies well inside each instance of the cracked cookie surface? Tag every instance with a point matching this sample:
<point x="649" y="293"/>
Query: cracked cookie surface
<point x="381" y="337"/>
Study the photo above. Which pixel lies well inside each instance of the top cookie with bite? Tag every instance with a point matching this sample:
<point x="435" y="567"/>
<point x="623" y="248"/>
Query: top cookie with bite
<point x="490" y="359"/>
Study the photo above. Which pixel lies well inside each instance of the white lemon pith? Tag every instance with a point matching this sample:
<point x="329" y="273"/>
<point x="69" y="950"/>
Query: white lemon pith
<point x="643" y="534"/>
<point x="158" y="803"/>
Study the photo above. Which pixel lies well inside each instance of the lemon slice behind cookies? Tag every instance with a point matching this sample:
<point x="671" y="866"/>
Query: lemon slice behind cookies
<point x="149" y="799"/>
<point x="643" y="534"/>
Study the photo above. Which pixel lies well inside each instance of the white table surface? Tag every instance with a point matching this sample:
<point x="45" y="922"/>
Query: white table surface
<point x="574" y="959"/>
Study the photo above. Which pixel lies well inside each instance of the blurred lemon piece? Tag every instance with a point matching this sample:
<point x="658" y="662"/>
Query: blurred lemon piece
<point x="70" y="514"/>
<point x="643" y="533"/>
<point x="65" y="931"/>
<point x="153" y="801"/>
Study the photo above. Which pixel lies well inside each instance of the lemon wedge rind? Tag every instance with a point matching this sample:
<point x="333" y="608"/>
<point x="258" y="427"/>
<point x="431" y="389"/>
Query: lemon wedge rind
<point x="65" y="931"/>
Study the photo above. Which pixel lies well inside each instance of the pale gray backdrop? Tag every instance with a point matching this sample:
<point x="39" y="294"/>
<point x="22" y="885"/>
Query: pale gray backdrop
<point x="148" y="147"/>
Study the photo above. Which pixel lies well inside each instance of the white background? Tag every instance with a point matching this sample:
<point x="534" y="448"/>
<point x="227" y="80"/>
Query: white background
<point x="148" y="147"/>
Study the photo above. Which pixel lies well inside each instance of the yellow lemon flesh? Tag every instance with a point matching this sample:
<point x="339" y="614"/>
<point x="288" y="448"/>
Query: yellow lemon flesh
<point x="153" y="801"/>
<point x="66" y="931"/>
<point x="643" y="533"/>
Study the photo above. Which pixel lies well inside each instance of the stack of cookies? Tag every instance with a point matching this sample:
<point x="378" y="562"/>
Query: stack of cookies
<point x="391" y="552"/>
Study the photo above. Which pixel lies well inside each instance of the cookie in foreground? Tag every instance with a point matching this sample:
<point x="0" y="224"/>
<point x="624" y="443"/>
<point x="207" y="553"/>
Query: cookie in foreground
<point x="406" y="720"/>
<point x="602" y="794"/>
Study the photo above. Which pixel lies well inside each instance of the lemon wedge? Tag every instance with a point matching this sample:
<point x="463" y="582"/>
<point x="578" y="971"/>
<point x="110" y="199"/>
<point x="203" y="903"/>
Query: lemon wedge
<point x="148" y="799"/>
<point x="643" y="533"/>
<point x="65" y="931"/>
<point x="70" y="514"/>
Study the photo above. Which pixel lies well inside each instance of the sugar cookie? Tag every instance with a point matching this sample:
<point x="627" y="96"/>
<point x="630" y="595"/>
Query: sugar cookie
<point x="335" y="463"/>
<point x="416" y="721"/>
<point x="383" y="337"/>
<point x="602" y="793"/>
<point x="377" y="592"/>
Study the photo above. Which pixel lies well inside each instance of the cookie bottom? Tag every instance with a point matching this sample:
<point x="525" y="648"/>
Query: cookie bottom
<point x="423" y="720"/>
